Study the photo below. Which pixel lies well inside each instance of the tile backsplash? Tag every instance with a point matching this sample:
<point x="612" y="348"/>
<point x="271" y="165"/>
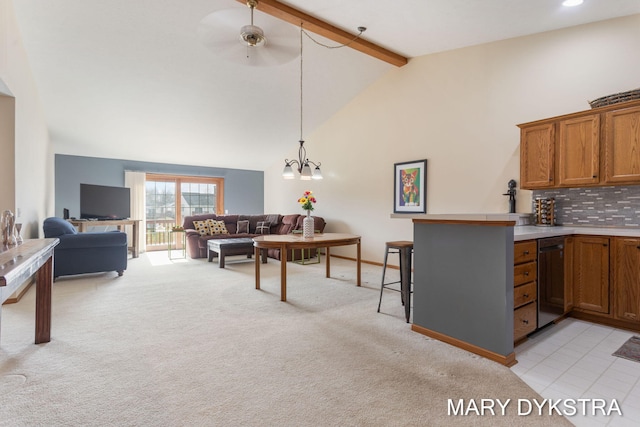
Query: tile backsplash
<point x="596" y="206"/>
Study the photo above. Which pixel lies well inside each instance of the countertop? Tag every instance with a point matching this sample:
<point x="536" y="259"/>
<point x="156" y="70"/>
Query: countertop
<point x="527" y="232"/>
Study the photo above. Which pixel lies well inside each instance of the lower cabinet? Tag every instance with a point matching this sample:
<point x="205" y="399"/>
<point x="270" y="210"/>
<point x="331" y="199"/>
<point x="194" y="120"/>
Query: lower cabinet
<point x="524" y="321"/>
<point x="626" y="279"/>
<point x="590" y="274"/>
<point x="525" y="290"/>
<point x="602" y="282"/>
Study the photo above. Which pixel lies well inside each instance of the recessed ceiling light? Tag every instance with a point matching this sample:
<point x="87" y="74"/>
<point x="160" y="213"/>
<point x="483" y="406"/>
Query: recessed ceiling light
<point x="570" y="3"/>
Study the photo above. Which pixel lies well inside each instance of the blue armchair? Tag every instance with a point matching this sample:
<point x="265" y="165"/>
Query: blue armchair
<point x="80" y="253"/>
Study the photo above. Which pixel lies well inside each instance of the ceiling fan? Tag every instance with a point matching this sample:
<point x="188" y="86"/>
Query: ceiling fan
<point x="274" y="42"/>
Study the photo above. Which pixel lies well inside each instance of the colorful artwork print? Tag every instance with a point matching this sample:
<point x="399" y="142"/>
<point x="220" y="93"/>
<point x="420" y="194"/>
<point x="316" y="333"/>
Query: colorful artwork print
<point x="410" y="187"/>
<point x="410" y="191"/>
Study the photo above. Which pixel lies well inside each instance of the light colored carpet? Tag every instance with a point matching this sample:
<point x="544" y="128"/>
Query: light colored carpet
<point x="185" y="343"/>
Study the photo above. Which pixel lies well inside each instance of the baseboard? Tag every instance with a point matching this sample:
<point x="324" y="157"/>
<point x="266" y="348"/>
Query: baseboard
<point x="363" y="261"/>
<point x="609" y="321"/>
<point x="508" y="360"/>
<point x="19" y="293"/>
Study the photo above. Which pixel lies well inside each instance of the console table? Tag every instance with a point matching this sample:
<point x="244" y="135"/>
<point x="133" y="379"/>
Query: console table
<point x="17" y="264"/>
<point x="286" y="242"/>
<point x="83" y="226"/>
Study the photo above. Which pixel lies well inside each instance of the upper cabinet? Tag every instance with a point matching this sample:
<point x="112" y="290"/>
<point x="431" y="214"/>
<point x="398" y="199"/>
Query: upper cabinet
<point x="622" y="146"/>
<point x="589" y="148"/>
<point x="578" y="148"/>
<point x="537" y="156"/>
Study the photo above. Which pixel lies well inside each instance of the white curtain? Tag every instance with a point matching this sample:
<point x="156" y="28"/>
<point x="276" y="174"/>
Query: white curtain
<point x="136" y="182"/>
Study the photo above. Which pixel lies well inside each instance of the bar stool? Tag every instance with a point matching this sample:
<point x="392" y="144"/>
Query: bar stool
<point x="404" y="249"/>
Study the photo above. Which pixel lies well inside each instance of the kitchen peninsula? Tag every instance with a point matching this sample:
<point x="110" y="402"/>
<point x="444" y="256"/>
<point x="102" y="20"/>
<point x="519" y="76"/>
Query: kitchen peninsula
<point x="464" y="279"/>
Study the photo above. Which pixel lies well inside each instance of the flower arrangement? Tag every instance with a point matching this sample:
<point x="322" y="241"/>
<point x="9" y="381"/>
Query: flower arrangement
<point x="307" y="201"/>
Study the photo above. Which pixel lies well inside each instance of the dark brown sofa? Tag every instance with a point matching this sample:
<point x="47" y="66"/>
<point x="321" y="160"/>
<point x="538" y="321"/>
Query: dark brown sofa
<point x="278" y="224"/>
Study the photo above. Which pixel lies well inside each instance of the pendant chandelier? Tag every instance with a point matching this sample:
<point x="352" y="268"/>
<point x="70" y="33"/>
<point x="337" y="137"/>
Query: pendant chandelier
<point x="303" y="164"/>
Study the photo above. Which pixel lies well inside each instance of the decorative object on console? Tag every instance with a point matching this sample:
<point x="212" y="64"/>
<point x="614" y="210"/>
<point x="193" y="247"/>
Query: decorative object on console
<point x="18" y="230"/>
<point x="7" y="226"/>
<point x="410" y="187"/>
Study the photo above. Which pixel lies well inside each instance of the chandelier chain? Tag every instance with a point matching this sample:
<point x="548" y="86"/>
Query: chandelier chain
<point x="360" y="31"/>
<point x="301" y="105"/>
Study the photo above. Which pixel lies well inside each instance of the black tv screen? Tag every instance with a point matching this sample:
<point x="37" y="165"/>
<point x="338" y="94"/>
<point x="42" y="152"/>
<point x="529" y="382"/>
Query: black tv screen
<point x="103" y="202"/>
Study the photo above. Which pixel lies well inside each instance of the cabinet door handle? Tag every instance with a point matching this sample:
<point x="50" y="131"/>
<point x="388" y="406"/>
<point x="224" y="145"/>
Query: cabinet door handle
<point x="526" y="273"/>
<point x="525" y="295"/>
<point x="527" y="252"/>
<point x="605" y="245"/>
<point x="594" y="176"/>
<point x="526" y="322"/>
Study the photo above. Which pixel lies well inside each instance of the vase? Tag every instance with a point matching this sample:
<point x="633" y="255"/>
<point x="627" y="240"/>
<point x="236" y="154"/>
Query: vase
<point x="308" y="226"/>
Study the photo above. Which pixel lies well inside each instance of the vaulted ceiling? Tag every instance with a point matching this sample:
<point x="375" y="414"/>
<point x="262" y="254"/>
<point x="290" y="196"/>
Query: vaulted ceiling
<point x="169" y="81"/>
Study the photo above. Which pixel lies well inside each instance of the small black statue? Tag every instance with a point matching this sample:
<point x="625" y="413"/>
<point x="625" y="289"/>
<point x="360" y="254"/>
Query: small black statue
<point x="512" y="195"/>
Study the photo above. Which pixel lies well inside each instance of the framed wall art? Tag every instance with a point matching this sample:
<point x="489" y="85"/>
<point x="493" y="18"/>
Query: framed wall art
<point x="410" y="187"/>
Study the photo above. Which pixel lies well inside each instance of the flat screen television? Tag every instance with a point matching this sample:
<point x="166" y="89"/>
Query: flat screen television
<point x="102" y="202"/>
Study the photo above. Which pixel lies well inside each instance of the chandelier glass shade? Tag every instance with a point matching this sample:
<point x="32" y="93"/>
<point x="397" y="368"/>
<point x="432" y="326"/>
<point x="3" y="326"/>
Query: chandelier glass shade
<point x="303" y="166"/>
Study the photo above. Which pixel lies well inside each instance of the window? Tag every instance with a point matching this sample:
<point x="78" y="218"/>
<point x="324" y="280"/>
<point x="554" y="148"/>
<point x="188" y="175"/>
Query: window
<point x="169" y="198"/>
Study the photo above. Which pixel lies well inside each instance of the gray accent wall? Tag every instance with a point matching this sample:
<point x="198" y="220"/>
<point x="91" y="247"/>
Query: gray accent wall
<point x="243" y="189"/>
<point x="616" y="206"/>
<point x="463" y="283"/>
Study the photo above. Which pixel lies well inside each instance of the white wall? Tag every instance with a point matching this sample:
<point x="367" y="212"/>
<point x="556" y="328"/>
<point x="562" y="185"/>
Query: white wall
<point x="33" y="180"/>
<point x="459" y="110"/>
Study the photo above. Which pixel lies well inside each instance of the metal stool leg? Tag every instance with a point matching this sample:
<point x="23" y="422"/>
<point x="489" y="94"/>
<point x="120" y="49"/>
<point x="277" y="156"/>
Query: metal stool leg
<point x="384" y="271"/>
<point x="405" y="264"/>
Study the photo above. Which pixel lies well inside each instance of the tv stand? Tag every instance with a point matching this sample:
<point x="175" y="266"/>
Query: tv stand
<point x="83" y="225"/>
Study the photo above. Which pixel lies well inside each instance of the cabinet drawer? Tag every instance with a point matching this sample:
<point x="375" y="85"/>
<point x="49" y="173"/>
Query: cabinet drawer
<point x="524" y="321"/>
<point x="524" y="294"/>
<point x="525" y="251"/>
<point x="524" y="273"/>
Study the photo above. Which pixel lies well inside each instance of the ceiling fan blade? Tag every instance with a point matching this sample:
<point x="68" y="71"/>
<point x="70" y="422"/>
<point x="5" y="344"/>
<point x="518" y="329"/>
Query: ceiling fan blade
<point x="220" y="33"/>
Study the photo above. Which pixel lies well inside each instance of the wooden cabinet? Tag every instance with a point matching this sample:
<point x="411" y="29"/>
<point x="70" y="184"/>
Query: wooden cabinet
<point x="537" y="156"/>
<point x="626" y="278"/>
<point x="525" y="255"/>
<point x="578" y="148"/>
<point x="622" y="146"/>
<point x="591" y="274"/>
<point x="589" y="148"/>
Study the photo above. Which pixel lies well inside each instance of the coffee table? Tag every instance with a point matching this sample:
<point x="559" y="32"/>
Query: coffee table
<point x="285" y="242"/>
<point x="224" y="247"/>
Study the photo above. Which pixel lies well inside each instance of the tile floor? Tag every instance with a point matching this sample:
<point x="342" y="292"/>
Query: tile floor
<point x="573" y="359"/>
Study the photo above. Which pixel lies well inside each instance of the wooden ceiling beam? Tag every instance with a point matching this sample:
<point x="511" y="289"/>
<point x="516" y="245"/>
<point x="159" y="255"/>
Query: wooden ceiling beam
<point x="324" y="29"/>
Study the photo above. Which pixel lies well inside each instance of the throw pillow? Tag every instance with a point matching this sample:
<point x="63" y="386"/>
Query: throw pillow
<point x="263" y="227"/>
<point x="202" y="227"/>
<point x="217" y="227"/>
<point x="242" y="227"/>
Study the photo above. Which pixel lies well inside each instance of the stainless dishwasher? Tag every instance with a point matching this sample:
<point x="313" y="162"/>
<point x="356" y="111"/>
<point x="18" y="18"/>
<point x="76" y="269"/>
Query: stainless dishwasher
<point x="550" y="280"/>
